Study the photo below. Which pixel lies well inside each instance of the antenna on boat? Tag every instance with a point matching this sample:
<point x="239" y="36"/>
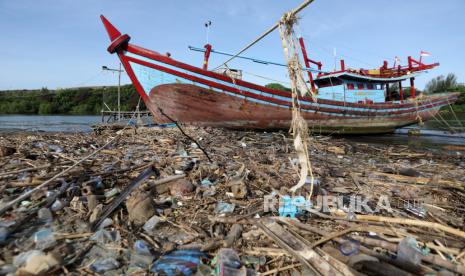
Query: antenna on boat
<point x="335" y="58"/>
<point x="208" y="25"/>
<point x="208" y="46"/>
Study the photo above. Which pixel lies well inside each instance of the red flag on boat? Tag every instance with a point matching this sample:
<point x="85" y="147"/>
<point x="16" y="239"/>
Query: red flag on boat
<point x="425" y="54"/>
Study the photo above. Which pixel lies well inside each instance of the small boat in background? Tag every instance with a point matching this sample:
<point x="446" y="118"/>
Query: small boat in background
<point x="347" y="101"/>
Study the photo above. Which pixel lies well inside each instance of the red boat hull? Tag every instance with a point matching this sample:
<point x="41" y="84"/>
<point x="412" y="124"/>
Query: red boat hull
<point x="195" y="105"/>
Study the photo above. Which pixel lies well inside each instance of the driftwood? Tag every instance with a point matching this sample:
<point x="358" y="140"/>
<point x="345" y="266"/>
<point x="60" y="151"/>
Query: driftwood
<point x="432" y="225"/>
<point x="297" y="248"/>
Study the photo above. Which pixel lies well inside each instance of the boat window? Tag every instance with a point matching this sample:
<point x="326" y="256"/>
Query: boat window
<point x="350" y="86"/>
<point x="360" y="86"/>
<point x="379" y="86"/>
<point x="370" y="86"/>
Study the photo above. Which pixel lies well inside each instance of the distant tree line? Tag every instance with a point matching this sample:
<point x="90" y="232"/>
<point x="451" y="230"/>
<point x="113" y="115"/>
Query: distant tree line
<point x="448" y="83"/>
<point x="89" y="100"/>
<point x="70" y="101"/>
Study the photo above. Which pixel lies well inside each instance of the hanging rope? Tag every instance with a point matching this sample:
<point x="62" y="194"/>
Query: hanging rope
<point x="299" y="127"/>
<point x="420" y="120"/>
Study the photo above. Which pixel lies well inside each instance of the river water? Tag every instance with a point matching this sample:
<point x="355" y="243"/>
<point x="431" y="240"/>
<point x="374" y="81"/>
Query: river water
<point x="432" y="137"/>
<point x="48" y="123"/>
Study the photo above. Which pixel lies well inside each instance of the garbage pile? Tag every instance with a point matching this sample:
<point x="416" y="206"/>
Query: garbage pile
<point x="152" y="202"/>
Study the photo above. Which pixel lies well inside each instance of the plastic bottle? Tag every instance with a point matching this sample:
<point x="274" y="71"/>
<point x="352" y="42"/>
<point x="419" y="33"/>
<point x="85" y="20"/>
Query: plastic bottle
<point x="179" y="262"/>
<point x="57" y="205"/>
<point x="141" y="256"/>
<point x="349" y="248"/>
<point x="103" y="236"/>
<point x="4" y="232"/>
<point x="111" y="193"/>
<point x="44" y="238"/>
<point x="22" y="258"/>
<point x="227" y="263"/>
<point x="104" y="265"/>
<point x="45" y="215"/>
<point x="150" y="224"/>
<point x="408" y="251"/>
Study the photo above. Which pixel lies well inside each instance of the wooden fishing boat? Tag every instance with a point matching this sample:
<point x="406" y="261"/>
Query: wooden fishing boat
<point x="347" y="101"/>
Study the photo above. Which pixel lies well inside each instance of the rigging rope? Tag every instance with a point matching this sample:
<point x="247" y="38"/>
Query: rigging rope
<point x="450" y="128"/>
<point x="266" y="78"/>
<point x="274" y="27"/>
<point x="456" y="118"/>
<point x="350" y="48"/>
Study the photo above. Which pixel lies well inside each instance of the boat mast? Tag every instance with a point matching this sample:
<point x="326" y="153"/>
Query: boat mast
<point x="208" y="47"/>
<point x="274" y="27"/>
<point x="307" y="63"/>
<point x="412" y="80"/>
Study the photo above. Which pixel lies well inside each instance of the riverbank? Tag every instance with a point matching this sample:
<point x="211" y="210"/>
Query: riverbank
<point x="204" y="206"/>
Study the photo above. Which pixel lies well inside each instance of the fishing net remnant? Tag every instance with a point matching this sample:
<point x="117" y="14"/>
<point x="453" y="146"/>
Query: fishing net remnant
<point x="299" y="127"/>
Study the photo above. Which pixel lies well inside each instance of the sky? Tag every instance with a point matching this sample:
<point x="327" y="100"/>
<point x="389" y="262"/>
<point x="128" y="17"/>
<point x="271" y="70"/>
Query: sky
<point x="62" y="43"/>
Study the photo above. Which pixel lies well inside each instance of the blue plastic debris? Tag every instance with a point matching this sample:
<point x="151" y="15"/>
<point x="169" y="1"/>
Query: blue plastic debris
<point x="167" y="125"/>
<point x="206" y="182"/>
<point x="290" y="207"/>
<point x="141" y="257"/>
<point x="224" y="208"/>
<point x="180" y="262"/>
<point x="286" y="208"/>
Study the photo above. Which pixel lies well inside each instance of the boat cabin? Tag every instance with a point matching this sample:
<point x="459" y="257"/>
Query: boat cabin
<point x="350" y="87"/>
<point x="351" y="91"/>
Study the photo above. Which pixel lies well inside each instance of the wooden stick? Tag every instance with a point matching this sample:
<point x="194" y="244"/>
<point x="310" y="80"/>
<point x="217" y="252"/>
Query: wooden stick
<point x="273" y="271"/>
<point x="332" y="236"/>
<point x="432" y="225"/>
<point x="165" y="180"/>
<point x="26" y="170"/>
<point x="267" y="251"/>
<point x="421" y="180"/>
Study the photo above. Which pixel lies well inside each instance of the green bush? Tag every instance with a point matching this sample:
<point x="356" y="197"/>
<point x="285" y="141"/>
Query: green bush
<point x="45" y="108"/>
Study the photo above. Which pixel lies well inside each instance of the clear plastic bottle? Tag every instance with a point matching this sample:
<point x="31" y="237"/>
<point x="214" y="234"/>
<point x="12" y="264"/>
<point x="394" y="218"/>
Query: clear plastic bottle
<point x="349" y="248"/>
<point x="141" y="256"/>
<point x="409" y="251"/>
<point x="44" y="238"/>
<point x="45" y="215"/>
<point x="228" y="263"/>
<point x="150" y="224"/>
<point x="101" y="266"/>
